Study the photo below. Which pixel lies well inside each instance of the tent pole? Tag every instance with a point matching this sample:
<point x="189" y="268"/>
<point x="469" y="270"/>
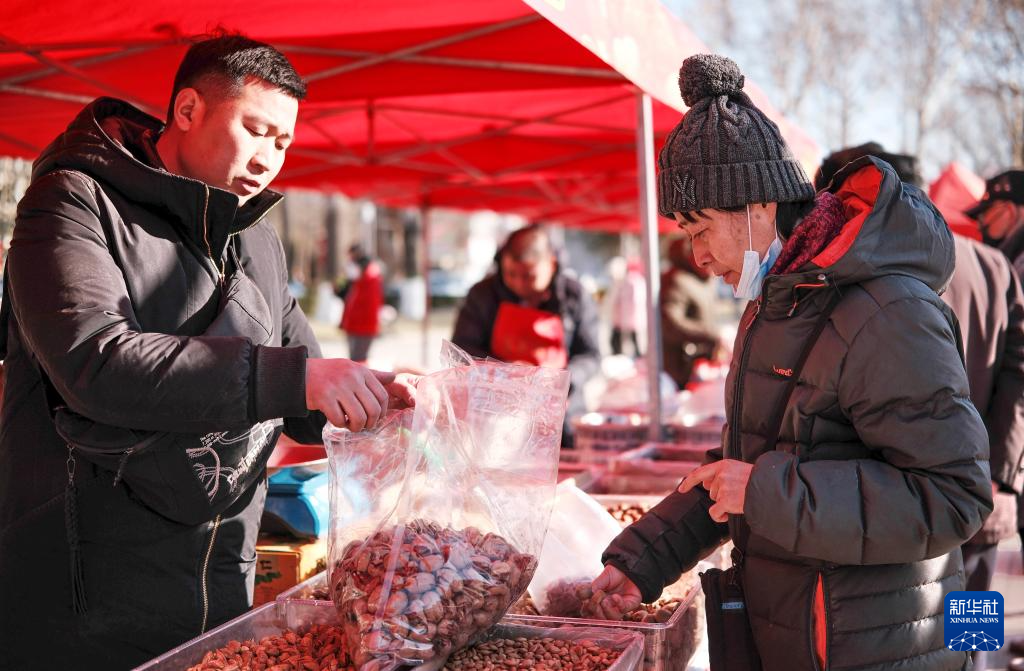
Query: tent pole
<point x="425" y="256"/>
<point x="649" y="247"/>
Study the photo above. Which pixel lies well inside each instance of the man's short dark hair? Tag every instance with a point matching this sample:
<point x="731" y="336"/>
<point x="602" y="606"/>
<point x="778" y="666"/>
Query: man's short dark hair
<point x="222" y="65"/>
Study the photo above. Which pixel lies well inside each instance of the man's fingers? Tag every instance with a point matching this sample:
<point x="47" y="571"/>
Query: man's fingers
<point x="717" y="513"/>
<point x="376" y="385"/>
<point x="371" y="406"/>
<point x="606" y="581"/>
<point x="335" y="415"/>
<point x="383" y="377"/>
<point x="379" y="392"/>
<point x="354" y="409"/>
<point x="404" y="388"/>
<point x="715" y="489"/>
<point x="699" y="475"/>
<point x="404" y="393"/>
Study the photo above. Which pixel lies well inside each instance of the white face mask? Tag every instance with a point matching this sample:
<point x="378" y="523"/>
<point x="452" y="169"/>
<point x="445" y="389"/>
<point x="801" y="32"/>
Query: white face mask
<point x="755" y="269"/>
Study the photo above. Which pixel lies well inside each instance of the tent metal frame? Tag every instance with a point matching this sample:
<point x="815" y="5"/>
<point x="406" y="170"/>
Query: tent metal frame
<point x="552" y="196"/>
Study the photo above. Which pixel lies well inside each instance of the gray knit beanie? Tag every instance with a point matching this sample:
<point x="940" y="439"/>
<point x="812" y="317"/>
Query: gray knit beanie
<point x="725" y="152"/>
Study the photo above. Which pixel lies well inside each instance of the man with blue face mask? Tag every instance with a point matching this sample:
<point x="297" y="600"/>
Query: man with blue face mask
<point x="852" y="465"/>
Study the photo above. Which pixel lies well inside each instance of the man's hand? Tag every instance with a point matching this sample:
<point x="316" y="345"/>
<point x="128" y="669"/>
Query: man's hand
<point x="351" y="395"/>
<point x="726" y="482"/>
<point x="612" y="597"/>
<point x="402" y="392"/>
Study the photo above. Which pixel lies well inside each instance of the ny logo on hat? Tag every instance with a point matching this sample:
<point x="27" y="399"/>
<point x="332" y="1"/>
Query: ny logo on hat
<point x="686" y="187"/>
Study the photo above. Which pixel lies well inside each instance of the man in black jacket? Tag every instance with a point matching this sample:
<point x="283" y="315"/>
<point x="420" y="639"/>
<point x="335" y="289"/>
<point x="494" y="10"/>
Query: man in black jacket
<point x="530" y="312"/>
<point x="134" y="241"/>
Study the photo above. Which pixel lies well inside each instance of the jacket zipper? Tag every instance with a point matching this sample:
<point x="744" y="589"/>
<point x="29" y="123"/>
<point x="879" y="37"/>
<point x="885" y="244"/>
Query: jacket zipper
<point x="223" y="272"/>
<point x="206" y="568"/>
<point x="738" y="389"/>
<point x="734" y="434"/>
<point x="259" y="218"/>
<point x="206" y="235"/>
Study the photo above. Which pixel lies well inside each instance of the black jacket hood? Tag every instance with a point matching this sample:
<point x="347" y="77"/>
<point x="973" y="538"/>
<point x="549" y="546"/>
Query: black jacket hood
<point x="106" y="141"/>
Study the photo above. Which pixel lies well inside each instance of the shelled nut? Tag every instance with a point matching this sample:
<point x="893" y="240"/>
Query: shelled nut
<point x="537" y="654"/>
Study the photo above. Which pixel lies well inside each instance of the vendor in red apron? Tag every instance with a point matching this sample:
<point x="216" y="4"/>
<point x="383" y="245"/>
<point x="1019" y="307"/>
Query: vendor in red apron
<point x="529" y="311"/>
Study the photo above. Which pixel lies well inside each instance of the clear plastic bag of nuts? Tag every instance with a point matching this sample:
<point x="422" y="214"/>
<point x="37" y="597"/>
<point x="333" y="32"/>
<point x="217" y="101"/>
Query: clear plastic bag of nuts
<point x="437" y="516"/>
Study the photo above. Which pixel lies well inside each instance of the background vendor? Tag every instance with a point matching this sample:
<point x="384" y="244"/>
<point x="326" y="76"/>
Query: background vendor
<point x="531" y="312"/>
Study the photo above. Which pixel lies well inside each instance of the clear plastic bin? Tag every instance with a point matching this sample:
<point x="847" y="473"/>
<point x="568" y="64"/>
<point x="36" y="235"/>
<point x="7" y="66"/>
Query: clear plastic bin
<point x="275" y="618"/>
<point x="629" y="642"/>
<point x="668" y="645"/>
<point x="266" y="620"/>
<point x="308" y="590"/>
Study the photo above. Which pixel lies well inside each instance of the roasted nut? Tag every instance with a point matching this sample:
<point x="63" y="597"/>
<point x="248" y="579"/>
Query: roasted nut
<point x="316" y="649"/>
<point x="627" y="513"/>
<point x="535" y="654"/>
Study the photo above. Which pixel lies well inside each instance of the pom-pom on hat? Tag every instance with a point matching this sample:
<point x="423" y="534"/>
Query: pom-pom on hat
<point x="725" y="152"/>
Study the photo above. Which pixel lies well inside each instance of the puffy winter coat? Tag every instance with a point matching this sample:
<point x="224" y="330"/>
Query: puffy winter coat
<point x="880" y="471"/>
<point x="986" y="297"/>
<point x="113" y="275"/>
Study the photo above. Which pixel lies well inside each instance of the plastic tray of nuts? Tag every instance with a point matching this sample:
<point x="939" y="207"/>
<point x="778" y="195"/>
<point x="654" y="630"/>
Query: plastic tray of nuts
<point x="600" y="649"/>
<point x="516" y="646"/>
<point x="267" y="620"/>
<point x="667" y="645"/>
<point x="314" y="590"/>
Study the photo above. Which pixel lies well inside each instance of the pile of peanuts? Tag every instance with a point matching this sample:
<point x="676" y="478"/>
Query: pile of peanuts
<point x="317" y="649"/>
<point x="436" y="592"/>
<point x="627" y="513"/>
<point x="536" y="654"/>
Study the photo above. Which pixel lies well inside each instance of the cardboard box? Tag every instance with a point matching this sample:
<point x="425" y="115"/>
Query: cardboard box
<point x="283" y="563"/>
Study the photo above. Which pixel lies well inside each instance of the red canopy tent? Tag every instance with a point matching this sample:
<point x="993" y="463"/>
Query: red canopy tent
<point x="540" y="107"/>
<point x="463" y="103"/>
<point x="954" y="191"/>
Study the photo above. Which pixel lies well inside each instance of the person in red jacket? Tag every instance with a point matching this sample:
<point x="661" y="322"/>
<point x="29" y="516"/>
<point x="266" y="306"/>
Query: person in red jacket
<point x="364" y="297"/>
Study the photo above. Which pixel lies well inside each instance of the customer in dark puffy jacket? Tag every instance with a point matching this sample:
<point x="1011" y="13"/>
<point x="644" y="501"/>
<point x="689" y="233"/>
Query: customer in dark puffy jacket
<point x="850" y="528"/>
<point x="129" y="246"/>
<point x="985" y="296"/>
